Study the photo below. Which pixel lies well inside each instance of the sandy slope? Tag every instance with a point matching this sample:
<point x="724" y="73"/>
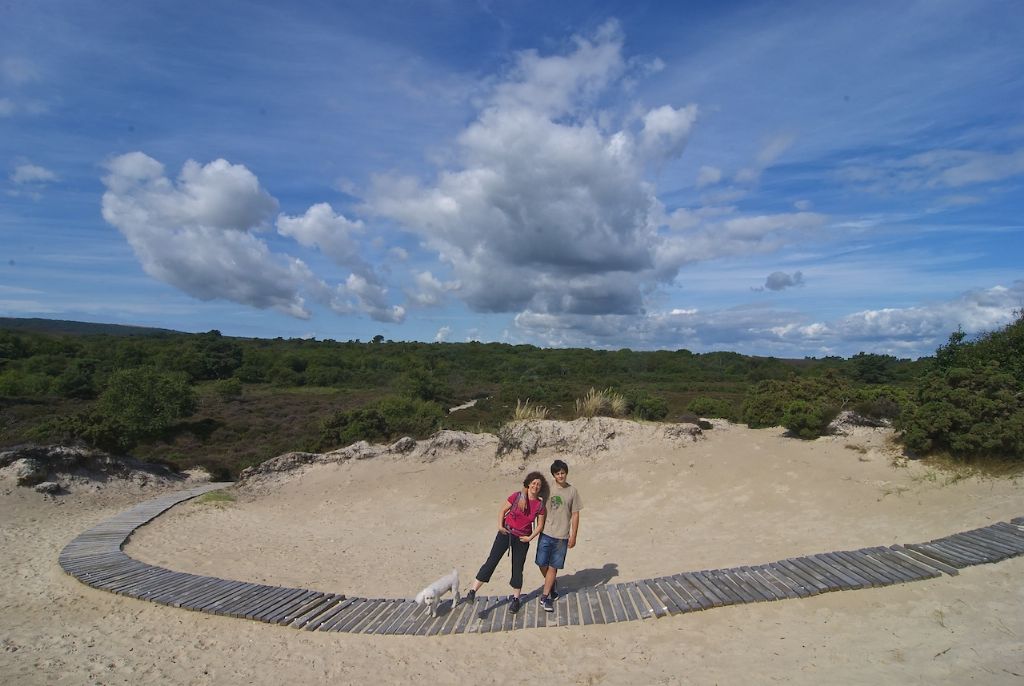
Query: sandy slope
<point x="388" y="525"/>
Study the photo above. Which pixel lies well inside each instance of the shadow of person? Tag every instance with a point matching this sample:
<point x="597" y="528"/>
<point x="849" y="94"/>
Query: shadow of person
<point x="587" y="578"/>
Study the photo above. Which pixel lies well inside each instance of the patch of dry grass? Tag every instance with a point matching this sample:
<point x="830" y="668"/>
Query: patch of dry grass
<point x="527" y="412"/>
<point x="606" y="402"/>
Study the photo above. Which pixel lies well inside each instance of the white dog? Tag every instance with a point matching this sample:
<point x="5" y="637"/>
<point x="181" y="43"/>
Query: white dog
<point x="431" y="595"/>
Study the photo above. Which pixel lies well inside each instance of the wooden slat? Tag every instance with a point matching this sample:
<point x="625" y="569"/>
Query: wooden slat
<point x="760" y="588"/>
<point x="672" y="603"/>
<point x="572" y="605"/>
<point x="925" y="560"/>
<point x="606" y="605"/>
<point x="1010" y="541"/>
<point x="798" y="587"/>
<point x="693" y="601"/>
<point x="778" y="586"/>
<point x="618" y="607"/>
<point x="339" y="614"/>
<point x="727" y="588"/>
<point x="929" y="551"/>
<point x="652" y="599"/>
<point x="700" y="594"/>
<point x="815" y="573"/>
<point x="290" y="615"/>
<point x="840" y="570"/>
<point x="896" y="566"/>
<point x="864" y="567"/>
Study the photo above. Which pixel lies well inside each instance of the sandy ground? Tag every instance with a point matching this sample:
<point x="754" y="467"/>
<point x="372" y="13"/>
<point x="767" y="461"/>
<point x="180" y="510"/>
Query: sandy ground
<point x="385" y="527"/>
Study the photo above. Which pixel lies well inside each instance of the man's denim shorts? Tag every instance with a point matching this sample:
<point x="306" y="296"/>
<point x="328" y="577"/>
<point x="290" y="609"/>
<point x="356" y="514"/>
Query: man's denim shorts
<point x="551" y="551"/>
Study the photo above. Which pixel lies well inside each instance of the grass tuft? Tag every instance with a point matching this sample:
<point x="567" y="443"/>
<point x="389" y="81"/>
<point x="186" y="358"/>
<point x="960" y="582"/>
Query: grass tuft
<point x="606" y="402"/>
<point x="216" y="498"/>
<point x="527" y="412"/>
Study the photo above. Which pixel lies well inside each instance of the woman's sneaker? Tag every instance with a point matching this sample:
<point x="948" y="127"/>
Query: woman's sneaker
<point x="548" y="603"/>
<point x="514" y="607"/>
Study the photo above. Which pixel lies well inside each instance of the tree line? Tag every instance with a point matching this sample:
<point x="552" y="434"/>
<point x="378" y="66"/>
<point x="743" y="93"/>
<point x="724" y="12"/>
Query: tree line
<point x="161" y="393"/>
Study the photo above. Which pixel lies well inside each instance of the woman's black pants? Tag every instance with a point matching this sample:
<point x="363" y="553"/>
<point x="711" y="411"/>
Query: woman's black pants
<point x="500" y="546"/>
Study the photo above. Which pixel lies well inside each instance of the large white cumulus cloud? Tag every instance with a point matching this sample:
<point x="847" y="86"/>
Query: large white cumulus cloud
<point x="201" y="234"/>
<point x="198" y="233"/>
<point x="549" y="210"/>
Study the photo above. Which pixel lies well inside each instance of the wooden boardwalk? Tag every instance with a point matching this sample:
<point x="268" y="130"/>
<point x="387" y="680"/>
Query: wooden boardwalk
<point x="95" y="558"/>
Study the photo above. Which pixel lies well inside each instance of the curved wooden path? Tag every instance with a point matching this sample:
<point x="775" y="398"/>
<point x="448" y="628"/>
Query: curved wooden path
<point x="96" y="559"/>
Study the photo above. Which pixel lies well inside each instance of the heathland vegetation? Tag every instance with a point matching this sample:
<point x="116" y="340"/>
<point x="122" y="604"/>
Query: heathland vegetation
<point x="227" y="403"/>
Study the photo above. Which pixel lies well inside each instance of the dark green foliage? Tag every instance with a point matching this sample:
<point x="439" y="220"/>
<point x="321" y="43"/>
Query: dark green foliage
<point x="808" y="419"/>
<point x="647" y="407"/>
<point x="712" y="407"/>
<point x="873" y="369"/>
<point x="290" y="386"/>
<point x="136" y="404"/>
<point x="77" y="380"/>
<point x="146" y="401"/>
<point x="228" y="389"/>
<point x="881" y="402"/>
<point x="390" y="418"/>
<point x="971" y="404"/>
<point x="769" y="401"/>
<point x="968" y="413"/>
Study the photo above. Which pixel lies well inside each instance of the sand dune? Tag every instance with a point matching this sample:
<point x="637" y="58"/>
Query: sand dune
<point x="384" y="527"/>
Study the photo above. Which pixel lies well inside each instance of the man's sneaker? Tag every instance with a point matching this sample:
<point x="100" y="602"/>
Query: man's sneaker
<point x="514" y="607"/>
<point x="554" y="594"/>
<point x="471" y="596"/>
<point x="548" y="603"/>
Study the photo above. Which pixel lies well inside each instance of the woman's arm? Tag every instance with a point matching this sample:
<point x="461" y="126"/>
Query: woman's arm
<point x="538" y="526"/>
<point x="505" y="507"/>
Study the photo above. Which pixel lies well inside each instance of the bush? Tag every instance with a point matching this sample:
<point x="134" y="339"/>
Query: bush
<point x="388" y="419"/>
<point x="647" y="407"/>
<point x="143" y="402"/>
<point x="970" y="405"/>
<point x="711" y="407"/>
<point x="807" y="419"/>
<point x="967" y="413"/>
<point x="228" y="389"/>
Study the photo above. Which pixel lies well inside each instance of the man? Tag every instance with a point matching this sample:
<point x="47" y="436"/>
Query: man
<point x="560" y="529"/>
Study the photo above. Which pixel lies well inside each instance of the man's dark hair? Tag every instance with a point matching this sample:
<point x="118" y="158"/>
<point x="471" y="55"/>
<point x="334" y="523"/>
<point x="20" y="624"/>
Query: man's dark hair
<point x="558" y="466"/>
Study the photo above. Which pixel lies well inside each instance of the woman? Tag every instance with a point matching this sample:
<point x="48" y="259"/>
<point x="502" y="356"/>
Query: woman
<point x="520" y="520"/>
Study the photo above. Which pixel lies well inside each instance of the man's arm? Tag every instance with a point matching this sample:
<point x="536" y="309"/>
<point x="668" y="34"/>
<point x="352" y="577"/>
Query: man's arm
<point x="574" y="527"/>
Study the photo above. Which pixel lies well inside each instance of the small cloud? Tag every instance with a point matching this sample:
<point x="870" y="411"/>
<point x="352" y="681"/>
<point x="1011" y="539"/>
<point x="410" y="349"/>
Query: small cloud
<point x="778" y="281"/>
<point x="399" y="254"/>
<point x="708" y="176"/>
<point x="442" y="334"/>
<point x="32" y="174"/>
<point x="19" y="71"/>
<point x="766" y="157"/>
<point x="803" y="205"/>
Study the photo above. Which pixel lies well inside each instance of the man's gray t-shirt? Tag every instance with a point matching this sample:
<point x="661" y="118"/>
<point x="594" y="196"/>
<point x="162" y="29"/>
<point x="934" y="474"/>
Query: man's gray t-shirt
<point x="561" y="504"/>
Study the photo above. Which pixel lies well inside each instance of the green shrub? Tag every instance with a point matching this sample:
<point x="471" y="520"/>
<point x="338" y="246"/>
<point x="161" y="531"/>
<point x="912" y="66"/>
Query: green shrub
<point x="970" y="405"/>
<point x="711" y="407"/>
<point x="15" y="383"/>
<point x="228" y="389"/>
<point x="808" y="419"/>
<point x="967" y="413"/>
<point x="647" y="407"/>
<point x="388" y="419"/>
<point x="146" y="401"/>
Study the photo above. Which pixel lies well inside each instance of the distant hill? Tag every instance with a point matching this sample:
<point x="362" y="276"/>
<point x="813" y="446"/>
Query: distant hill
<point x="61" y="326"/>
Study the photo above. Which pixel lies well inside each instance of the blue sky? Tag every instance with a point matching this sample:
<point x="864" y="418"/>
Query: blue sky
<point x="789" y="179"/>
